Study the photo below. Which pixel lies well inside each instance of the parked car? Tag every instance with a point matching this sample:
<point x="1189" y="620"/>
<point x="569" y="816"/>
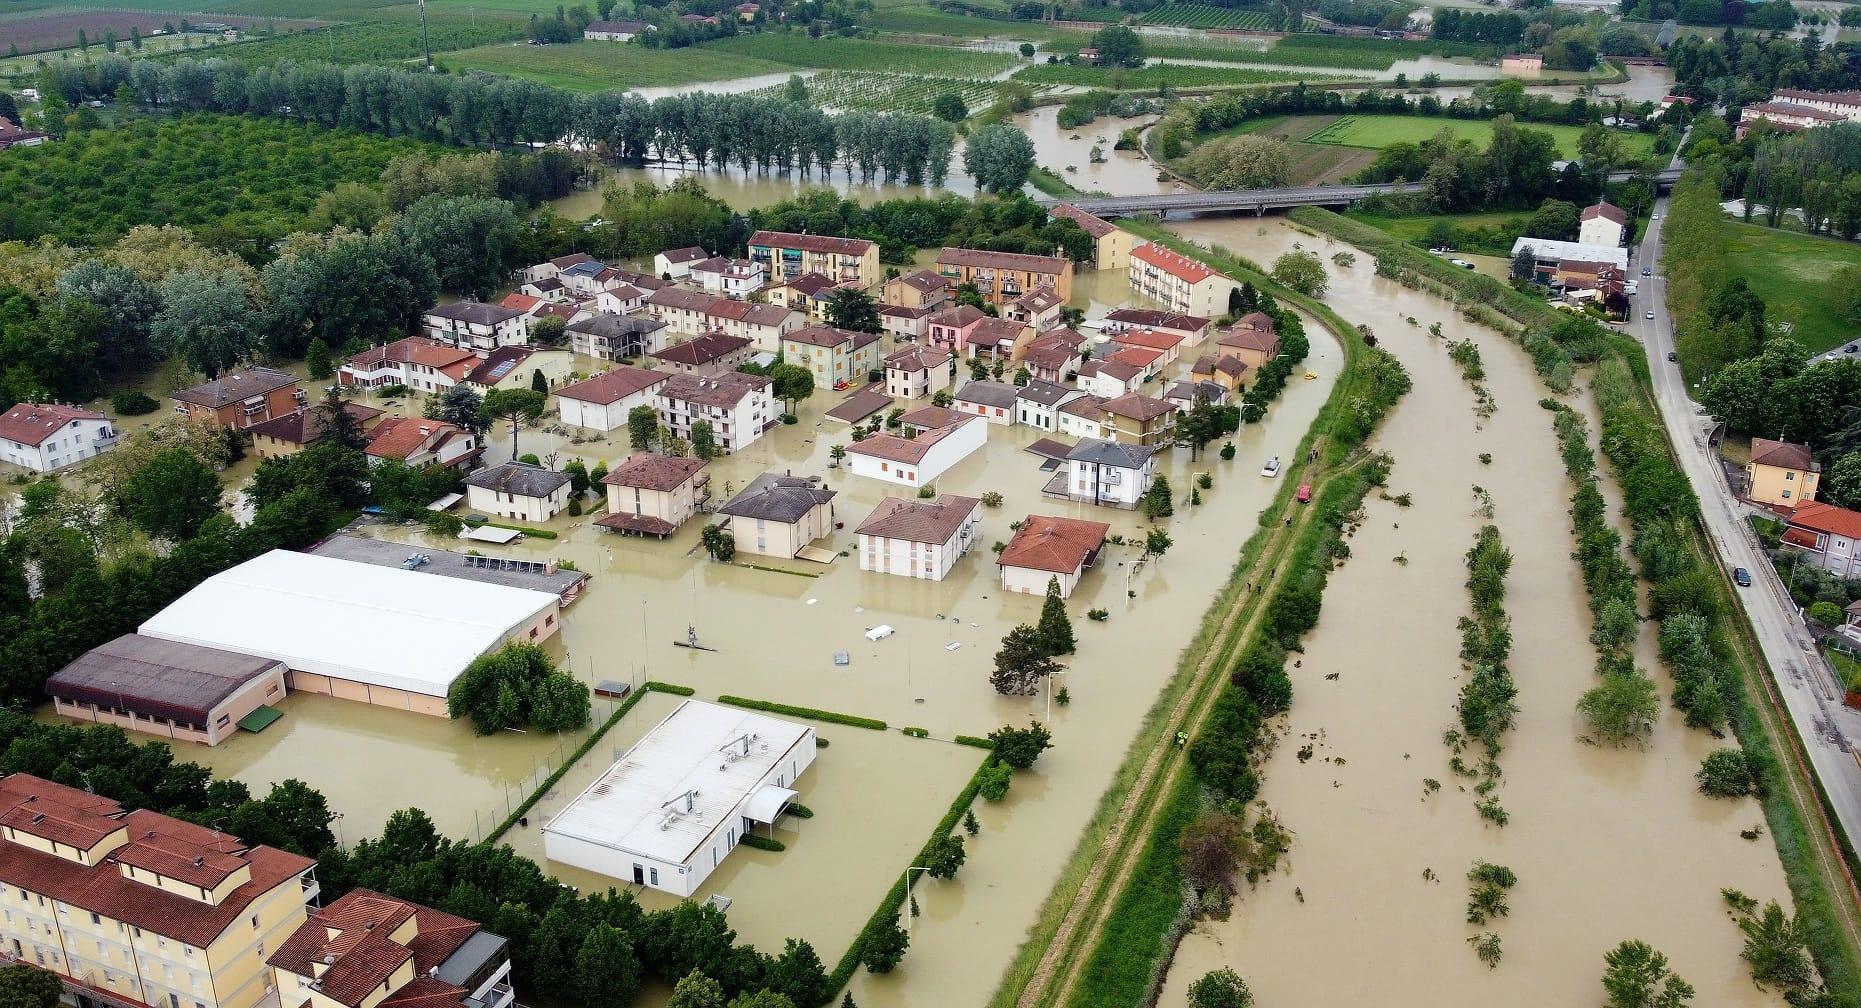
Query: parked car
<point x="1462" y="263"/>
<point x="1650" y="315"/>
<point x="1305" y="493"/>
<point x="1647" y="271"/>
<point x="1672" y="356"/>
<point x="1742" y="576"/>
<point x="1654" y="216"/>
<point x="1271" y="469"/>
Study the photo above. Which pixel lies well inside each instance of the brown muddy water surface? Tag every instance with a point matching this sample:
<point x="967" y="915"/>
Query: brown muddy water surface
<point x="1608" y="844"/>
<point x="876" y="795"/>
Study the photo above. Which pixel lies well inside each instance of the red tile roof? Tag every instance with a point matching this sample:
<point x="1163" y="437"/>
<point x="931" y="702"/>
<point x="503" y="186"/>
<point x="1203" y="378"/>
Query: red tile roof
<point x="1014" y="261"/>
<point x="652" y="471"/>
<point x="1149" y="339"/>
<point x="723" y="390"/>
<point x="1819" y="517"/>
<point x="235" y="387"/>
<point x="909" y="450"/>
<point x="700" y="350"/>
<point x="399" y="437"/>
<point x="309" y="425"/>
<point x="919" y="358"/>
<point x="1060" y="545"/>
<point x="1174" y="263"/>
<point x="32" y="423"/>
<point x="352" y="941"/>
<point x="933" y="521"/>
<point x="1139" y="357"/>
<point x="415" y="350"/>
<point x="1607" y="211"/>
<point x="1097" y="227"/>
<point x="810" y="243"/>
<point x="612" y="385"/>
<point x="1141" y="408"/>
<point x="830" y="336"/>
<point x="104" y="889"/>
<point x="1782" y="454"/>
<point x="1150" y="318"/>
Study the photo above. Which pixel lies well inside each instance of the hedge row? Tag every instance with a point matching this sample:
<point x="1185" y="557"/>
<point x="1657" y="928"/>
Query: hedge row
<point x="833" y="717"/>
<point x="651" y="686"/>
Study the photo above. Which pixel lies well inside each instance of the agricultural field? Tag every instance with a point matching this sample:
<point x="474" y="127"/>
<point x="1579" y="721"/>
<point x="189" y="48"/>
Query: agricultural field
<point x="1310" y="51"/>
<point x="1189" y="15"/>
<point x="1489" y="233"/>
<point x="846" y="89"/>
<point x="1307" y="163"/>
<point x="49" y="31"/>
<point x="1175" y="75"/>
<point x="1375" y="132"/>
<point x="798" y="50"/>
<point x="232" y="178"/>
<point x="372" y="42"/>
<point x="601" y="66"/>
<point x="923" y="19"/>
<point x="1791" y="271"/>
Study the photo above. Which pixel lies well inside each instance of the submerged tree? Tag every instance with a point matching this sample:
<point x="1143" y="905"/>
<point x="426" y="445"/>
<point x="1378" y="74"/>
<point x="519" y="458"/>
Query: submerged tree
<point x="1637" y="977"/>
<point x="1022" y="662"/>
<point x="1055" y="628"/>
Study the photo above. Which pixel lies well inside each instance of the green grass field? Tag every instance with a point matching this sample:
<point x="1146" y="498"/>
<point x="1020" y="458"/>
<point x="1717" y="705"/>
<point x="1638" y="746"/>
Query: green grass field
<point x="1190" y="15"/>
<point x="1148" y="78"/>
<point x="847" y="89"/>
<point x="372" y="42"/>
<point x="1375" y="132"/>
<point x="1791" y="272"/>
<point x="1490" y="233"/>
<point x="601" y="66"/>
<point x="797" y="49"/>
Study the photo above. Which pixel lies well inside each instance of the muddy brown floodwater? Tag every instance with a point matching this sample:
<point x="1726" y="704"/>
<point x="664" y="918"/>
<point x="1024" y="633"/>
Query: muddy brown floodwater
<point x="1608" y="844"/>
<point x="875" y="795"/>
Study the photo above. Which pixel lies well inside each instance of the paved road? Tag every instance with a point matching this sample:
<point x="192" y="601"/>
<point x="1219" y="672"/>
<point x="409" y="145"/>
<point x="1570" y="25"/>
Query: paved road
<point x="1809" y="692"/>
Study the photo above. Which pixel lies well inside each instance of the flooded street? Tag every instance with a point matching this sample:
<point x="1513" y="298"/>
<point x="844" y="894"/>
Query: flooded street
<point x="754" y="190"/>
<point x="1607" y="844"/>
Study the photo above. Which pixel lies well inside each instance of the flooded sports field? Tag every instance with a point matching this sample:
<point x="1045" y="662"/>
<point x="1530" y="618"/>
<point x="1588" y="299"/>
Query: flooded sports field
<point x="1608" y="844"/>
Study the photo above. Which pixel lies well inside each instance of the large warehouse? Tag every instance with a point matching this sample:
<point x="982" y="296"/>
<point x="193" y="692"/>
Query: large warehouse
<point x="380" y="635"/>
<point x="669" y="812"/>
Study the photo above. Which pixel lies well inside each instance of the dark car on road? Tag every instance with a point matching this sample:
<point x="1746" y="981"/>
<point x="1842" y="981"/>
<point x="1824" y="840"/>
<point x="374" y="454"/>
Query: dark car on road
<point x="1742" y="576"/>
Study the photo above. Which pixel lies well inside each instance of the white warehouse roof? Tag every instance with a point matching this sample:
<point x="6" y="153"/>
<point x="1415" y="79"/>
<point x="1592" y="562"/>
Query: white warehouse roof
<point x="639" y="804"/>
<point x="1545" y="248"/>
<point x="377" y="625"/>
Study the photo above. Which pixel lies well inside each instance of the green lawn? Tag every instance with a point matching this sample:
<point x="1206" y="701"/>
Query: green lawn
<point x="797" y="49"/>
<point x="1308" y="51"/>
<point x="1151" y="77"/>
<point x="1376" y="132"/>
<point x="1490" y="233"/>
<point x="602" y="66"/>
<point x="1791" y="272"/>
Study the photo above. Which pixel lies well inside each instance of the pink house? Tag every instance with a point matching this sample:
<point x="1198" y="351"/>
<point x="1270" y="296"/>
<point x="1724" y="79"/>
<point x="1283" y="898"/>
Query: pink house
<point x="952" y="328"/>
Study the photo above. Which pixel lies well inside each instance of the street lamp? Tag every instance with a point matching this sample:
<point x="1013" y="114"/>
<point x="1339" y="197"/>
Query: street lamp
<point x="336" y="821"/>
<point x="1056" y="673"/>
<point x="908" y="872"/>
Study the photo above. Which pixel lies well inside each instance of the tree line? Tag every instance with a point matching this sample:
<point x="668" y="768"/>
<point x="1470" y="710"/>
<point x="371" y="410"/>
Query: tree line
<point x="478" y="110"/>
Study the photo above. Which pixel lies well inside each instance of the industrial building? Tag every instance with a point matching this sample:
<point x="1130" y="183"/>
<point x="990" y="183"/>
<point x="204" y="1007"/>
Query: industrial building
<point x="677" y="803"/>
<point x="167" y="688"/>
<point x="381" y="635"/>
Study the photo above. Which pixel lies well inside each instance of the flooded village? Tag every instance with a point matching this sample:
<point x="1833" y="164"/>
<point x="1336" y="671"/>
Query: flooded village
<point x="793" y="648"/>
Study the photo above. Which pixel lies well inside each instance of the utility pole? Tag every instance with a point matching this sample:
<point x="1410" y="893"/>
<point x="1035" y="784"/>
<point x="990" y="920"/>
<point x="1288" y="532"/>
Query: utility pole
<point x="425" y="45"/>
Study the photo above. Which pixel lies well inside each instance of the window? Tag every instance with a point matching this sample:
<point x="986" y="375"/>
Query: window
<point x="255" y="922"/>
<point x="95" y="918"/>
<point x="653" y="875"/>
<point x="1789" y="476"/>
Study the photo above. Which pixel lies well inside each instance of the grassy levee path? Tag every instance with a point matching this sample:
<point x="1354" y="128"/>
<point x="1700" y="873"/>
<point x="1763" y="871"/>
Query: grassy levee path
<point x="1049" y="963"/>
<point x="1816" y="856"/>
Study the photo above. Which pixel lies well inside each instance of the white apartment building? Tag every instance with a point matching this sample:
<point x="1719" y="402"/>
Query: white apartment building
<point x="695" y="313"/>
<point x="44" y="438"/>
<point x="1178" y="282"/>
<point x="738" y="406"/>
<point x="918" y="538"/>
<point x="476" y="326"/>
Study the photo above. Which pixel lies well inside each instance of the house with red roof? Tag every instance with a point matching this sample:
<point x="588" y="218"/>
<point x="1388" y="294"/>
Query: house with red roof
<point x="603" y="402"/>
<point x="929" y="451"/>
<point x="416" y="362"/>
<point x="1604" y="224"/>
<point x="418" y="441"/>
<point x="1046" y="548"/>
<point x="44" y="437"/>
<point x="918" y="538"/>
<point x="1177" y="282"/>
<point x="367" y="950"/>
<point x="1827" y="535"/>
<point x="1111" y="245"/>
<point x="653" y="494"/>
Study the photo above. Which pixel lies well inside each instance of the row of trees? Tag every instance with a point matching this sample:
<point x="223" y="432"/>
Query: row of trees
<point x="474" y="110"/>
<point x="1008" y="223"/>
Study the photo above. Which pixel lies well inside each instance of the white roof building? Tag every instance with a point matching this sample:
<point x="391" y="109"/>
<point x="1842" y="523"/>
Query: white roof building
<point x="383" y="635"/>
<point x="1551" y="252"/>
<point x="675" y="805"/>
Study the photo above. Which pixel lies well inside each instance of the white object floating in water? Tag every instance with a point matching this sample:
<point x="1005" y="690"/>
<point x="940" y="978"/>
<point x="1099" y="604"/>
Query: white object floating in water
<point x="953" y="645"/>
<point x="859" y="608"/>
<point x="975" y="624"/>
<point x="880" y="632"/>
<point x="842" y="658"/>
<point x="812" y="601"/>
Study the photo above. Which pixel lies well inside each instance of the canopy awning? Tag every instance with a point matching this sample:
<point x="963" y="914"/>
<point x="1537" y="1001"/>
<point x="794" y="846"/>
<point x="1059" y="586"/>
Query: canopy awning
<point x="492" y="534"/>
<point x="767" y="803"/>
<point x="260" y="719"/>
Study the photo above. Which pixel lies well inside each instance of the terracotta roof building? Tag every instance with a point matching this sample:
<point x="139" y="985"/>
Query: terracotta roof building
<point x="242" y="398"/>
<point x="367" y="950"/>
<point x="44" y="437"/>
<point x="1045" y="548"/>
<point x="917" y="538"/>
<point x="603" y="402"/>
<point x="1001" y="277"/>
<point x="654" y="494"/>
<point x="293" y="432"/>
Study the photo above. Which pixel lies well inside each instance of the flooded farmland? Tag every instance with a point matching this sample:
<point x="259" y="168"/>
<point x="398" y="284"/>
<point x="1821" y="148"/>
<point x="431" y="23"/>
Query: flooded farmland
<point x="1607" y="844"/>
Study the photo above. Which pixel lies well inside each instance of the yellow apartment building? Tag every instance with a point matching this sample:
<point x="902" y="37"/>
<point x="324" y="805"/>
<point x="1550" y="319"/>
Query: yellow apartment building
<point x="1781" y="473"/>
<point x="837" y="357"/>
<point x="1001" y="277"/>
<point x="139" y="908"/>
<point x="787" y="255"/>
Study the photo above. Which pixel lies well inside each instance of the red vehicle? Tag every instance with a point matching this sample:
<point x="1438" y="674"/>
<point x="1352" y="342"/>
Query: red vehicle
<point x="1305" y="493"/>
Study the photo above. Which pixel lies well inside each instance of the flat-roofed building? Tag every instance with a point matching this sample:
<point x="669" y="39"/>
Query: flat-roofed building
<point x="136" y="908"/>
<point x="669" y="811"/>
<point x="355" y="631"/>
<point x="167" y="688"/>
<point x="1002" y="277"/>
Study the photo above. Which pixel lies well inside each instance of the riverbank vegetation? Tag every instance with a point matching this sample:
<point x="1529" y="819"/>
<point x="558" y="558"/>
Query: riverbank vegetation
<point x="1633" y="438"/>
<point x="1488" y="699"/>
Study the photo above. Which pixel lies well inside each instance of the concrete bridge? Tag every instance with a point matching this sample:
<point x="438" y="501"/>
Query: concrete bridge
<point x="1259" y="201"/>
